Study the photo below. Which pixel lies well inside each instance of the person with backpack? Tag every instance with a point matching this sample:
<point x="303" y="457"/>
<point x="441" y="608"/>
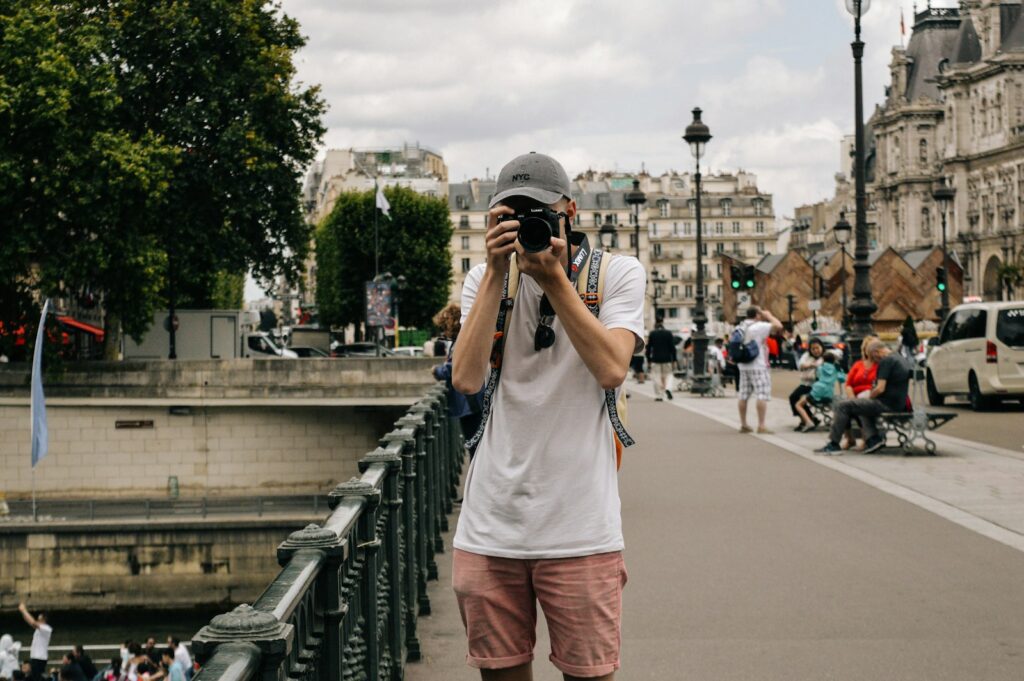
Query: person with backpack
<point x="551" y="331"/>
<point x="748" y="350"/>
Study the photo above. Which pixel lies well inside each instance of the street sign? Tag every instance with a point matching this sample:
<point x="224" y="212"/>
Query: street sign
<point x="743" y="300"/>
<point x="814" y="305"/>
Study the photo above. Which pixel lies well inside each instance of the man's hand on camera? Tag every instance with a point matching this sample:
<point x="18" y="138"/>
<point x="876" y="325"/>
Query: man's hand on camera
<point x="545" y="267"/>
<point x="501" y="239"/>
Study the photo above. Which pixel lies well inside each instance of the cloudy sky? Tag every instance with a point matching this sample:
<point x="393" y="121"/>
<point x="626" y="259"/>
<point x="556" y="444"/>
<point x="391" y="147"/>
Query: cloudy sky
<point x="604" y="84"/>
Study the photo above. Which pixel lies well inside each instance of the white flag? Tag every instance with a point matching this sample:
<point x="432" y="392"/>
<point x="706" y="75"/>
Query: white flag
<point x="382" y="202"/>
<point x="40" y="436"/>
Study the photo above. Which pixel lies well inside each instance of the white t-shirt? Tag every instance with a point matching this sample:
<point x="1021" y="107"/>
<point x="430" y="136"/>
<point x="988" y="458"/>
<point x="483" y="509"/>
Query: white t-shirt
<point x="182" y="657"/>
<point x="756" y="331"/>
<point x="543" y="482"/>
<point x="41" y="642"/>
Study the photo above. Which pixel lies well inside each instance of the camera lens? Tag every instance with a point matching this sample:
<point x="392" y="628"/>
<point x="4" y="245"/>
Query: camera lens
<point x="535" y="234"/>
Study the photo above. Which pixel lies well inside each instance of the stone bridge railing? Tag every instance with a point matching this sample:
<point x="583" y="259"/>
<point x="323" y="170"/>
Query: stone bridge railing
<point x="347" y="599"/>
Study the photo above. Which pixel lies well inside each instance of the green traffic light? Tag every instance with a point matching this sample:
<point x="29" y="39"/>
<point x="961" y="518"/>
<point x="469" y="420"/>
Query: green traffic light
<point x="735" y="284"/>
<point x="750" y="283"/>
<point x="941" y="286"/>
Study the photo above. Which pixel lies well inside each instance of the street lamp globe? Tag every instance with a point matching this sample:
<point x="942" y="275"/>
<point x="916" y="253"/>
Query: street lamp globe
<point x="843" y="230"/>
<point x="606" y="235"/>
<point x="635" y="198"/>
<point x="943" y="195"/>
<point x="697" y="135"/>
<point x="858" y="8"/>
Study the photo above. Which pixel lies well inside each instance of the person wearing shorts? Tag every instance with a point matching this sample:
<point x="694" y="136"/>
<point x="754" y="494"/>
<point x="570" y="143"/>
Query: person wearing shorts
<point x="755" y="376"/>
<point x="540" y="520"/>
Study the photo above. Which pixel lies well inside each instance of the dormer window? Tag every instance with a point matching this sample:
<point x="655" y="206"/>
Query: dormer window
<point x="663" y="207"/>
<point x="727" y="207"/>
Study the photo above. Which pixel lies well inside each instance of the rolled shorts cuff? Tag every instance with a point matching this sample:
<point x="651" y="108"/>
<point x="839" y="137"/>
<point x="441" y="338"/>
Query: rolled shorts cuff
<point x="500" y="662"/>
<point x="584" y="672"/>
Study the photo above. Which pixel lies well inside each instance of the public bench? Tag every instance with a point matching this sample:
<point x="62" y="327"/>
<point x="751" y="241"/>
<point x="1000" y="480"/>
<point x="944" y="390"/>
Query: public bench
<point x="913" y="426"/>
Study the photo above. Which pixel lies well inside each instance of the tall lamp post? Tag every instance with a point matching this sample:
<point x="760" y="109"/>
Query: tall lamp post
<point x="606" y="236"/>
<point x="635" y="199"/>
<point x="659" y="281"/>
<point x="843" y="231"/>
<point x="943" y="195"/>
<point x="863" y="306"/>
<point x="697" y="136"/>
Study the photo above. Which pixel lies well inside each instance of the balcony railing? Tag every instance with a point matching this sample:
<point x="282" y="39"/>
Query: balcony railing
<point x="346" y="602"/>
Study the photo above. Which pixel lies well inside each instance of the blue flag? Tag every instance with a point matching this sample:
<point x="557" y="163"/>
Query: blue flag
<point x="40" y="436"/>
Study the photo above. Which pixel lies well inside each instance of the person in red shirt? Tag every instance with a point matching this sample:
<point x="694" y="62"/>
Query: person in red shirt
<point x="773" y="350"/>
<point x="859" y="381"/>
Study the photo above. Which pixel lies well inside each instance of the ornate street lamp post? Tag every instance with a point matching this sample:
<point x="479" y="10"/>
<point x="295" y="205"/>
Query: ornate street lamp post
<point x="659" y="281"/>
<point x="635" y="199"/>
<point x="863" y="306"/>
<point x="697" y="136"/>
<point x="606" y="235"/>
<point x="842" y="231"/>
<point x="943" y="195"/>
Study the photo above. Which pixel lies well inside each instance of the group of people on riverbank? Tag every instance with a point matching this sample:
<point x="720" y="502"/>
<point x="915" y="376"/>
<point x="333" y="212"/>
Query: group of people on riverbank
<point x="136" y="661"/>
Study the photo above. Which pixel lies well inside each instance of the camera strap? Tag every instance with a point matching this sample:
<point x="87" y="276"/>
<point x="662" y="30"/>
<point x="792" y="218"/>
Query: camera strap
<point x="594" y="264"/>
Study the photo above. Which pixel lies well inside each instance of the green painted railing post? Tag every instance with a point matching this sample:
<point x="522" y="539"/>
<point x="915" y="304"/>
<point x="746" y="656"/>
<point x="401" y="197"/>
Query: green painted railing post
<point x="424" y="550"/>
<point x="272" y="639"/>
<point x="433" y="485"/>
<point x="406" y="439"/>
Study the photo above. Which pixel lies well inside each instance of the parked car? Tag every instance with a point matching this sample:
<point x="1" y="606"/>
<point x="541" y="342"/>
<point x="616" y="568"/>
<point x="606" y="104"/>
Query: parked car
<point x="410" y="351"/>
<point x="979" y="352"/>
<point x="306" y="352"/>
<point x="365" y="349"/>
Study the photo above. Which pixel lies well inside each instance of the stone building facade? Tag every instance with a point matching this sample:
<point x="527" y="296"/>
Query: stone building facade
<point x="954" y="112"/>
<point x="738" y="218"/>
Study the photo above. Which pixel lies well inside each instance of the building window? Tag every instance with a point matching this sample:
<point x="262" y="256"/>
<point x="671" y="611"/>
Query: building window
<point x="597" y="219"/>
<point x="657" y="249"/>
<point x="675" y="229"/>
<point x="464" y="222"/>
<point x="654" y="229"/>
<point x="691" y="204"/>
<point x="760" y="248"/>
<point x="735" y="228"/>
<point x="923" y="151"/>
<point x="675" y="271"/>
<point x="735" y="246"/>
<point x="675" y="291"/>
<point x="720" y="247"/>
<point x="726" y="207"/>
<point x="689" y="291"/>
<point x="632" y="240"/>
<point x="759" y="227"/>
<point x="718" y="269"/>
<point x="688" y="228"/>
<point x="926" y="222"/>
<point x="673" y="312"/>
<point x="758" y="207"/>
<point x="704" y="248"/>
<point x="465" y="265"/>
<point x="663" y="208"/>
<point x="719" y="228"/>
<point x="465" y="243"/>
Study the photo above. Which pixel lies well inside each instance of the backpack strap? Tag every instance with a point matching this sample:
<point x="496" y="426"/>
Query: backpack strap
<point x="592" y="299"/>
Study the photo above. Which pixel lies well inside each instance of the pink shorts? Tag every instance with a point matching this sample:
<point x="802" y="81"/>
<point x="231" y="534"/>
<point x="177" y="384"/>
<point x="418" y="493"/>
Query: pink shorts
<point x="581" y="599"/>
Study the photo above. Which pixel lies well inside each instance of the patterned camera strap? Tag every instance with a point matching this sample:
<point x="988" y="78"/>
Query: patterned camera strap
<point x="592" y="300"/>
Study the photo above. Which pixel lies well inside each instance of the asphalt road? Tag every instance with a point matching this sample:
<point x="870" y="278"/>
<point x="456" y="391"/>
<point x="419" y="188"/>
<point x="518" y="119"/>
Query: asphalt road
<point x="746" y="562"/>
<point x="1000" y="427"/>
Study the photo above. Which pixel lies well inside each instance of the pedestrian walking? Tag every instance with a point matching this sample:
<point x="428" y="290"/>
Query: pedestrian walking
<point x="466" y="408"/>
<point x="661" y="353"/>
<point x="540" y="518"/>
<point x="909" y="340"/>
<point x="888" y="395"/>
<point x="181" y="656"/>
<point x="39" y="652"/>
<point x="748" y="350"/>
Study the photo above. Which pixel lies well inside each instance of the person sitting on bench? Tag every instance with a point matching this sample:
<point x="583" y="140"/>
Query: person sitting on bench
<point x="822" y="390"/>
<point x="888" y="395"/>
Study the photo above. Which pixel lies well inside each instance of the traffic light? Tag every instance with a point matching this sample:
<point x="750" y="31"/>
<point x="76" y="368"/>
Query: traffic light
<point x="940" y="279"/>
<point x="748" y="277"/>
<point x="735" y="277"/>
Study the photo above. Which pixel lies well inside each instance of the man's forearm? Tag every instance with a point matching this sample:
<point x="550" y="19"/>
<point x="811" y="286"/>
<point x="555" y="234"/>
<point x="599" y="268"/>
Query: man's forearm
<point x="594" y="342"/>
<point x="471" y="357"/>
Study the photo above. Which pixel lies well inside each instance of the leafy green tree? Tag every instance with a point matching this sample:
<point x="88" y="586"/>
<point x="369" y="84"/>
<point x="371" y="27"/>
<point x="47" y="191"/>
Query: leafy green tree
<point x="228" y="291"/>
<point x="414" y="242"/>
<point x="148" y="146"/>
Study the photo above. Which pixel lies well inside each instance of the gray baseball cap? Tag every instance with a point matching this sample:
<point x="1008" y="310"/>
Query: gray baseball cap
<point x="533" y="175"/>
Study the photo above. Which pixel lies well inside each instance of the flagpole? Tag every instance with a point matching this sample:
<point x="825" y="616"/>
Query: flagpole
<point x="376" y="233"/>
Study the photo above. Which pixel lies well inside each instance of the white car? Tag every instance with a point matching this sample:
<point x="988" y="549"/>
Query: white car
<point x="409" y="351"/>
<point x="979" y="352"/>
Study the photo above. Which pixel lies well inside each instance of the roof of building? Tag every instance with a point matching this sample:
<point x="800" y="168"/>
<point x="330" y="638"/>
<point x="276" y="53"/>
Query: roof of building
<point x="933" y="40"/>
<point x="770" y="262"/>
<point x="968" y="46"/>
<point x="917" y="257"/>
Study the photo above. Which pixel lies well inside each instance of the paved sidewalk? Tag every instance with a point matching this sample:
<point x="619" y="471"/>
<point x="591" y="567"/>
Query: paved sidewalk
<point x="973" y="484"/>
<point x="747" y="562"/>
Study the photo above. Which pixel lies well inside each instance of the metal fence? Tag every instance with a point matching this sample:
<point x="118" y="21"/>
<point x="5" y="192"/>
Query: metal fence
<point x="346" y="602"/>
<point x="162" y="509"/>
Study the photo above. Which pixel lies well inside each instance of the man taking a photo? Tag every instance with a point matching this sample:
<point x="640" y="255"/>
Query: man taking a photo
<point x="755" y="376"/>
<point x="540" y="517"/>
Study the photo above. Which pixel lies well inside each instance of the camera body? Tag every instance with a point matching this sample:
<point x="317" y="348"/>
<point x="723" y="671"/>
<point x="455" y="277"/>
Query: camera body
<point x="536" y="227"/>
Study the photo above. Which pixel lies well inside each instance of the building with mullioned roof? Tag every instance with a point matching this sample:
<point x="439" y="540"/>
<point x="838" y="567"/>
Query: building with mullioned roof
<point x="954" y="112"/>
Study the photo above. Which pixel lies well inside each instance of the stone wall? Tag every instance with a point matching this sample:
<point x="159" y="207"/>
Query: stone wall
<point x="98" y="567"/>
<point x="212" y="450"/>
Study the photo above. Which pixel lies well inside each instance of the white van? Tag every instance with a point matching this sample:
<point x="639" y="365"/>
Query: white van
<point x="979" y="352"/>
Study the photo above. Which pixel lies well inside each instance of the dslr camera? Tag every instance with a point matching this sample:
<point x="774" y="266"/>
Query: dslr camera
<point x="536" y="227"/>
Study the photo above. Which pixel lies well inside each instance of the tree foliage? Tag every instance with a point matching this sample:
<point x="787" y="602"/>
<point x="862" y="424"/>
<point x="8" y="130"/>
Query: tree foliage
<point x="414" y="242"/>
<point x="144" y="139"/>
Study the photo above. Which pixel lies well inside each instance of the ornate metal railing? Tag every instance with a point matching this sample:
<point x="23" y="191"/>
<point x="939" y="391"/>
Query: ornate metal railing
<point x="345" y="605"/>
